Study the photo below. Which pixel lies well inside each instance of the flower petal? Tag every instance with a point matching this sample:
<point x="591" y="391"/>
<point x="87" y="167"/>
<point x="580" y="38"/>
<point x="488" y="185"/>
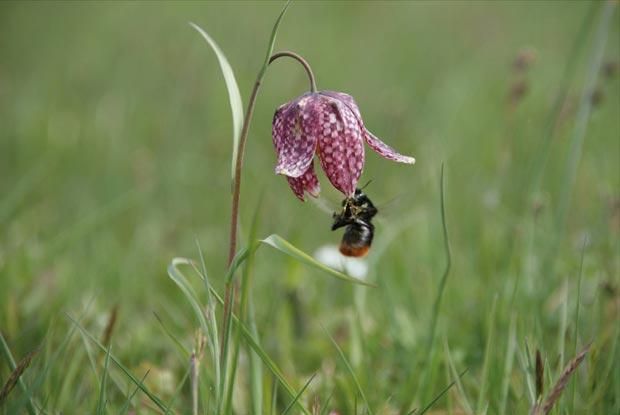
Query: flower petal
<point x="375" y="143"/>
<point x="294" y="143"/>
<point x="347" y="100"/>
<point x="386" y="151"/>
<point x="307" y="181"/>
<point x="340" y="144"/>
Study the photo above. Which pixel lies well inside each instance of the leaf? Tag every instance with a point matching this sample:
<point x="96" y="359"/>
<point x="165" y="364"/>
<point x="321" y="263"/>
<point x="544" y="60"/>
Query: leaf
<point x="183" y="284"/>
<point x="158" y="402"/>
<point x="436" y="398"/>
<point x="102" y="402"/>
<point x="234" y="96"/>
<point x="289" y="249"/>
<point x="254" y="344"/>
<point x="272" y="38"/>
<point x="294" y="401"/>
<point x="351" y="372"/>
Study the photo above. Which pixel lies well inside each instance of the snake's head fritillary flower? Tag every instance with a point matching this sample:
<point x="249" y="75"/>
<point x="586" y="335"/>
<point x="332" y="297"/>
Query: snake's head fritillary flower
<point x="328" y="124"/>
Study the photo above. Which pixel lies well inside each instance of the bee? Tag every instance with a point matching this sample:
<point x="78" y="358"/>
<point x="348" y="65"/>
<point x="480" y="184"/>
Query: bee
<point x="356" y="214"/>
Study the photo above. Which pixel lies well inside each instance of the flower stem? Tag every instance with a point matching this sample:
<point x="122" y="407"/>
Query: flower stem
<point x="232" y="247"/>
<point x="299" y="59"/>
<point x="243" y="138"/>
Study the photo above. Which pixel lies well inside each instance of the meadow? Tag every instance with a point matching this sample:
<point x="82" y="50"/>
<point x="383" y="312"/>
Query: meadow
<point x="496" y="259"/>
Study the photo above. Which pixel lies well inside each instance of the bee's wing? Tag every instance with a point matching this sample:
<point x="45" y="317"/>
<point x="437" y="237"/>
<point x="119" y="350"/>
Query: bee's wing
<point x="325" y="205"/>
<point x="393" y="207"/>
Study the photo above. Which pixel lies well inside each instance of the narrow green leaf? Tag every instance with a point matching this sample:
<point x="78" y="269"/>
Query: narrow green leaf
<point x="508" y="362"/>
<point x="262" y="354"/>
<point x="294" y="401"/>
<point x="125" y="407"/>
<point x="184" y="351"/>
<point x="488" y="350"/>
<point x="213" y="337"/>
<point x="158" y="402"/>
<point x="187" y="289"/>
<point x="272" y="39"/>
<point x="426" y="375"/>
<point x="207" y="326"/>
<point x="351" y="372"/>
<point x="234" y="96"/>
<point x="464" y="400"/>
<point x="227" y="375"/>
<point x="325" y="406"/>
<point x="102" y="402"/>
<point x="443" y="392"/>
<point x="576" y="323"/>
<point x="289" y="249"/>
<point x="177" y="391"/>
<point x="247" y="315"/>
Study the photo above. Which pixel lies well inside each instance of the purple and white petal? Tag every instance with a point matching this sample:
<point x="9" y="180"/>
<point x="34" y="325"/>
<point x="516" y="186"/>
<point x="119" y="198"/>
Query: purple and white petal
<point x="340" y="144"/>
<point x="386" y="151"/>
<point x="307" y="181"/>
<point x="347" y="100"/>
<point x="294" y="145"/>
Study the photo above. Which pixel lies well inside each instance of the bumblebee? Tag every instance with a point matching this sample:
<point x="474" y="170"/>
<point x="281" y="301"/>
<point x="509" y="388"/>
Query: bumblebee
<point x="356" y="214"/>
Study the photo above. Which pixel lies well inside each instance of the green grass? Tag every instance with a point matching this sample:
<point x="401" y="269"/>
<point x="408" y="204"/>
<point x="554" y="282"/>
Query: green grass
<point x="115" y="152"/>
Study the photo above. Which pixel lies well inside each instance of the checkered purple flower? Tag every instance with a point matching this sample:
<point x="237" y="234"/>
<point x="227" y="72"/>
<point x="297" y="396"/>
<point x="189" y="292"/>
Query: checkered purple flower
<point x="329" y="124"/>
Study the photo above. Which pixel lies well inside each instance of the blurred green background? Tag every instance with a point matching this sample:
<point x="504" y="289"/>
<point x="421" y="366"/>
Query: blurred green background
<point x="115" y="145"/>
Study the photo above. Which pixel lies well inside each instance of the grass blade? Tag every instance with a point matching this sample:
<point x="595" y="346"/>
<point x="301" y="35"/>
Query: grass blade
<point x="234" y="96"/>
<point x="184" y="351"/>
<point x="294" y="401"/>
<point x="465" y="404"/>
<point x="272" y="39"/>
<point x="246" y="313"/>
<point x="212" y="338"/>
<point x="247" y="335"/>
<point x="325" y="406"/>
<point x="125" y="407"/>
<point x="508" y="363"/>
<point x="102" y="401"/>
<point x="487" y="359"/>
<point x="186" y="288"/>
<point x="579" y="133"/>
<point x="577" y="306"/>
<point x="177" y="392"/>
<point x="350" y="370"/>
<point x="437" y="304"/>
<point x="583" y="115"/>
<point x="541" y="156"/>
<point x="443" y="392"/>
<point x="289" y="249"/>
<point x="158" y="402"/>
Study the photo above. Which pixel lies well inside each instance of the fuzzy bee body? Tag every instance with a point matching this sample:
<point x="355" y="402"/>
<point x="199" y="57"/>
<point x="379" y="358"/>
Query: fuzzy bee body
<point x="356" y="216"/>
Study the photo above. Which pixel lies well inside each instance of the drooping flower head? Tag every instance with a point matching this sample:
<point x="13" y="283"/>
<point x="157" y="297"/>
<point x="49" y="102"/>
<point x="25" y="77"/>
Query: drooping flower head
<point x="328" y="124"/>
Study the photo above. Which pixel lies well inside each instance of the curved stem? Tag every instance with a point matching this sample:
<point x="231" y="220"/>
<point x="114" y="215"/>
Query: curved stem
<point x="298" y="58"/>
<point x="232" y="247"/>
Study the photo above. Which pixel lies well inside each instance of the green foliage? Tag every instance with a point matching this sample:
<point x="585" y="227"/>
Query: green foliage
<point x="114" y="159"/>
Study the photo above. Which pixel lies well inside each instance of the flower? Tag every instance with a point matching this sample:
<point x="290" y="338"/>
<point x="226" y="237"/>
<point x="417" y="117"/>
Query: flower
<point x="330" y="255"/>
<point x="329" y="124"/>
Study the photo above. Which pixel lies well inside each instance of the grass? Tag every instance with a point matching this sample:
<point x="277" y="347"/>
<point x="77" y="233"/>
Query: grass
<point x="115" y="157"/>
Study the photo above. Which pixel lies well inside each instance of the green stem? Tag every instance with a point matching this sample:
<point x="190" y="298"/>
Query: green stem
<point x="298" y="58"/>
<point x="232" y="247"/>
